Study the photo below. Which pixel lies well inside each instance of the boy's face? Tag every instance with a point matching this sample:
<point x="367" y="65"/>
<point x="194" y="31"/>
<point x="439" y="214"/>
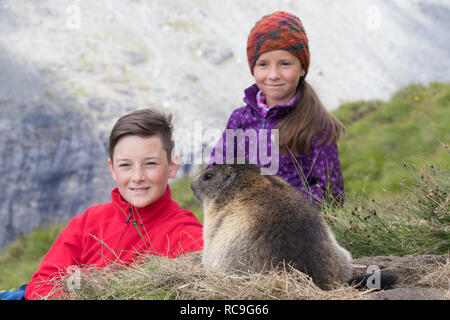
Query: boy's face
<point x="277" y="74"/>
<point x="140" y="169"/>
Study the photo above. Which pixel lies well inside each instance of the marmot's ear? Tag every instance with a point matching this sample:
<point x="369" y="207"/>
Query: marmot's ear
<point x="228" y="171"/>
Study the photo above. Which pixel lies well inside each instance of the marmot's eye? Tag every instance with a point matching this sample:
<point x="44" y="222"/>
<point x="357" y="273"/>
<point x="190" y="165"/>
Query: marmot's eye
<point x="208" y="176"/>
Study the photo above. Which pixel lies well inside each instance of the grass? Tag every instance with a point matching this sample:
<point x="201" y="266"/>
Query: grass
<point x="413" y="222"/>
<point x="21" y="259"/>
<point x="182" y="194"/>
<point x="412" y="127"/>
<point x="395" y="161"/>
<point x="185" y="278"/>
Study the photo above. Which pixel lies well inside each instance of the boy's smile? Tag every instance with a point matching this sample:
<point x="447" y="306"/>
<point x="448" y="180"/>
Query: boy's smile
<point x="139" y="190"/>
<point x="140" y="169"/>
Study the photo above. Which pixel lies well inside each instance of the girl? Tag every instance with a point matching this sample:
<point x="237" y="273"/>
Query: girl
<point x="278" y="56"/>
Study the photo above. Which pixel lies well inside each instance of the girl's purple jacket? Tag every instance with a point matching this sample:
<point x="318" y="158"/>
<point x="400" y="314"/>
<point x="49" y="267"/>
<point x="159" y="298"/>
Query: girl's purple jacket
<point x="320" y="168"/>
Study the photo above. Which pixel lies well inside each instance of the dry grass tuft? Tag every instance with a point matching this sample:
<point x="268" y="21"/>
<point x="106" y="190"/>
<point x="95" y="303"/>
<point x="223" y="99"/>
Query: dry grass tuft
<point x="185" y="278"/>
<point x="439" y="279"/>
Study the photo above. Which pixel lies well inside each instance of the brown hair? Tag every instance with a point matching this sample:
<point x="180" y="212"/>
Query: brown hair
<point x="309" y="120"/>
<point x="144" y="123"/>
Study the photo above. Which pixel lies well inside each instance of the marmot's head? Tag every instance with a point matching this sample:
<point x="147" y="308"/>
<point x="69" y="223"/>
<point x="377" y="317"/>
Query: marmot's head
<point x="212" y="182"/>
<point x="220" y="177"/>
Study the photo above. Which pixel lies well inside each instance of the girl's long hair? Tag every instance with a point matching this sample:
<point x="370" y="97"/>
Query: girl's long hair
<point x="309" y="120"/>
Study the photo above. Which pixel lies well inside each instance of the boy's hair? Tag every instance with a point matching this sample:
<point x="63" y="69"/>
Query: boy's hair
<point x="144" y="123"/>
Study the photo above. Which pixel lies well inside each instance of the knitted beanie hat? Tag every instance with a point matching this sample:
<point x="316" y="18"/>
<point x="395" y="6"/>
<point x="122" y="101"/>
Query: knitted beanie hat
<point x="278" y="31"/>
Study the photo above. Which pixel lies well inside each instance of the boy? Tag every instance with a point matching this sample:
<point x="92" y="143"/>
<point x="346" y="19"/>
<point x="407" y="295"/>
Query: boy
<point x="141" y="217"/>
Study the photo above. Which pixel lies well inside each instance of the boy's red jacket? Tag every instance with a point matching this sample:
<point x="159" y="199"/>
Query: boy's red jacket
<point x="108" y="233"/>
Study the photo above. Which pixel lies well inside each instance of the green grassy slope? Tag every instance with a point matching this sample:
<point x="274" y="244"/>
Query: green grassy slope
<point x="414" y="127"/>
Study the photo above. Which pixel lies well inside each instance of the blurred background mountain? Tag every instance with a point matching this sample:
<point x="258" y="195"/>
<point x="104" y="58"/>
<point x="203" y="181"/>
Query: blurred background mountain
<point x="70" y="69"/>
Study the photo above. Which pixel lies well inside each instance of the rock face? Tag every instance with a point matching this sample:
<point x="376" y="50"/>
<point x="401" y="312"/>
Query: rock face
<point x="55" y="167"/>
<point x="69" y="69"/>
<point x="53" y="159"/>
<point x="53" y="162"/>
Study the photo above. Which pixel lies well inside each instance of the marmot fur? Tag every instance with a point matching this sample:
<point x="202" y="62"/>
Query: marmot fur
<point x="254" y="222"/>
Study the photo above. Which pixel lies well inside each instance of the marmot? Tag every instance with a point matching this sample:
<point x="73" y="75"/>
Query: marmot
<point x="254" y="222"/>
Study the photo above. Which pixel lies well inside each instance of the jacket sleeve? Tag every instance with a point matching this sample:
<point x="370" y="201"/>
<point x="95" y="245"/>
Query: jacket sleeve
<point x="218" y="154"/>
<point x="65" y="252"/>
<point x="324" y="174"/>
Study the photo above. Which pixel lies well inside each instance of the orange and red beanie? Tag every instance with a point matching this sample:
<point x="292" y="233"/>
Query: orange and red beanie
<point x="278" y="31"/>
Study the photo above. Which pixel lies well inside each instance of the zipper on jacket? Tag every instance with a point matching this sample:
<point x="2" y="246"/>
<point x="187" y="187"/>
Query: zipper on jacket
<point x="130" y="213"/>
<point x="124" y="232"/>
<point x="264" y="123"/>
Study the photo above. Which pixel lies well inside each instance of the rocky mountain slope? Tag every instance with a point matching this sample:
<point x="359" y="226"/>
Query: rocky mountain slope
<point x="69" y="69"/>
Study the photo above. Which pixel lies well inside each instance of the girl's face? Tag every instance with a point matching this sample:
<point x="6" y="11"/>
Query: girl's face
<point x="141" y="170"/>
<point x="277" y="74"/>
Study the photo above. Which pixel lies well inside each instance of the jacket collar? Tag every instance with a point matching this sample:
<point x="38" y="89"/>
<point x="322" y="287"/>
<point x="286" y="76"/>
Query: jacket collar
<point x="150" y="212"/>
<point x="250" y="99"/>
